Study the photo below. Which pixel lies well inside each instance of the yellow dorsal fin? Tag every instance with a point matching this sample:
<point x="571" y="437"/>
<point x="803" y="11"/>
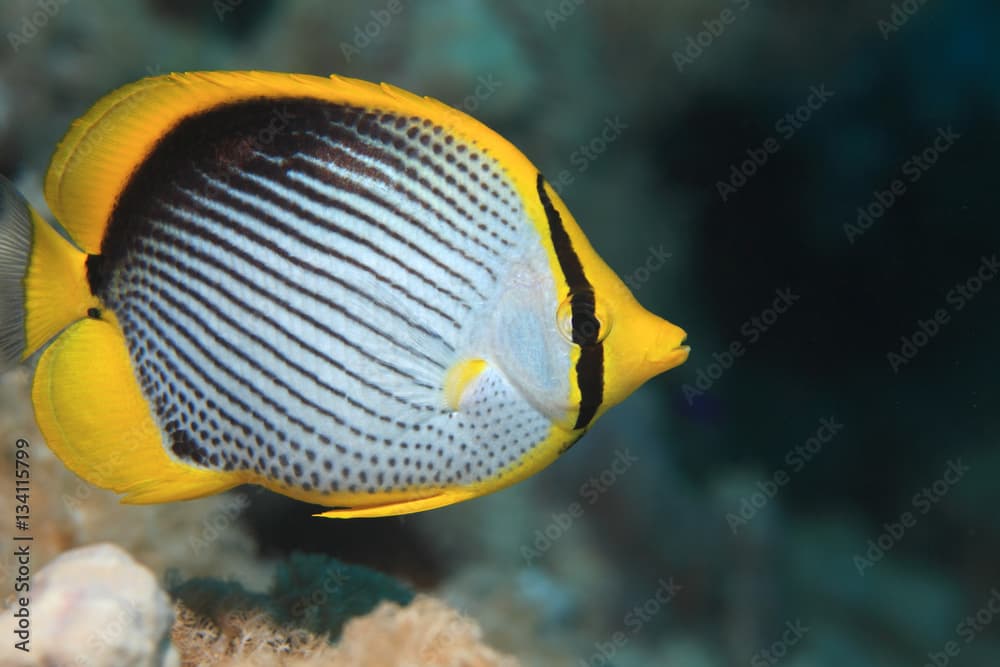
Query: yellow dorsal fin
<point x="103" y="148"/>
<point x="93" y="416"/>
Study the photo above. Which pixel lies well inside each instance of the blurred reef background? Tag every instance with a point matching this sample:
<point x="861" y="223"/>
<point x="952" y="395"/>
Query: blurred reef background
<point x="805" y="187"/>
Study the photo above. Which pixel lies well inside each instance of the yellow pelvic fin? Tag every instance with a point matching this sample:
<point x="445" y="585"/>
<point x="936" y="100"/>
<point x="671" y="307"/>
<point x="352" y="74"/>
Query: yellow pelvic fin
<point x="92" y="413"/>
<point x="458" y="379"/>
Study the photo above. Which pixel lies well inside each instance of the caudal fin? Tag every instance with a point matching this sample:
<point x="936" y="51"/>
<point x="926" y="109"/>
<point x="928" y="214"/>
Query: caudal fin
<point x="15" y="249"/>
<point x="43" y="280"/>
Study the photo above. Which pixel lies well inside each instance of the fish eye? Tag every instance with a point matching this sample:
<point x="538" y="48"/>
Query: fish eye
<point x="591" y="322"/>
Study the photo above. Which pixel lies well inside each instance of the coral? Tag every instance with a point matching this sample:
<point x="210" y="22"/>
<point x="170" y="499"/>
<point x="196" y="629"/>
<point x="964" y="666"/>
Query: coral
<point x="250" y="639"/>
<point x="426" y="633"/>
<point x="94" y="606"/>
<point x="314" y="601"/>
<point x="319" y="593"/>
<point x="310" y="592"/>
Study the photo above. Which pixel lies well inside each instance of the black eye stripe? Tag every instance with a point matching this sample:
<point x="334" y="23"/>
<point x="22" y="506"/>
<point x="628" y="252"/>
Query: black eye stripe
<point x="586" y="326"/>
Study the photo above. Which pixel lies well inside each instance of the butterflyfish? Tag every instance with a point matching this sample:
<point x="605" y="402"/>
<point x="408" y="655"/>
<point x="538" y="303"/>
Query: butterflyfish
<point x="341" y="291"/>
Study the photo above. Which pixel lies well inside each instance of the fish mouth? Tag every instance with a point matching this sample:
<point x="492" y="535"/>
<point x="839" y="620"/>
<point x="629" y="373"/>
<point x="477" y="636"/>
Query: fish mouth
<point x="682" y="351"/>
<point x="677" y="355"/>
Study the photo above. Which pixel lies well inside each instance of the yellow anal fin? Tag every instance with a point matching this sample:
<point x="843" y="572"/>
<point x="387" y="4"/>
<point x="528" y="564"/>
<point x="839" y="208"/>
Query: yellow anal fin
<point x="396" y="508"/>
<point x="92" y="413"/>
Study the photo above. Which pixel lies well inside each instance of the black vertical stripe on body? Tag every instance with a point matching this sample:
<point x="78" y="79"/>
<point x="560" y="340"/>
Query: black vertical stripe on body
<point x="586" y="326"/>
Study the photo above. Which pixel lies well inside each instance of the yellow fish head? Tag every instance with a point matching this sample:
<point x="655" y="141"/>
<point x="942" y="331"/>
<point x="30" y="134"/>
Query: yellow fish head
<point x="638" y="344"/>
<point x="625" y="344"/>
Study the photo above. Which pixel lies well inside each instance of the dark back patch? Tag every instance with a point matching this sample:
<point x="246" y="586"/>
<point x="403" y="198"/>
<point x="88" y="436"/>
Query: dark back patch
<point x="214" y="142"/>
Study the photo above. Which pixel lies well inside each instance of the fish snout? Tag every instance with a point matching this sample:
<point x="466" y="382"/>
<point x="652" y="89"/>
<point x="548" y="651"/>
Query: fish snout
<point x="669" y="351"/>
